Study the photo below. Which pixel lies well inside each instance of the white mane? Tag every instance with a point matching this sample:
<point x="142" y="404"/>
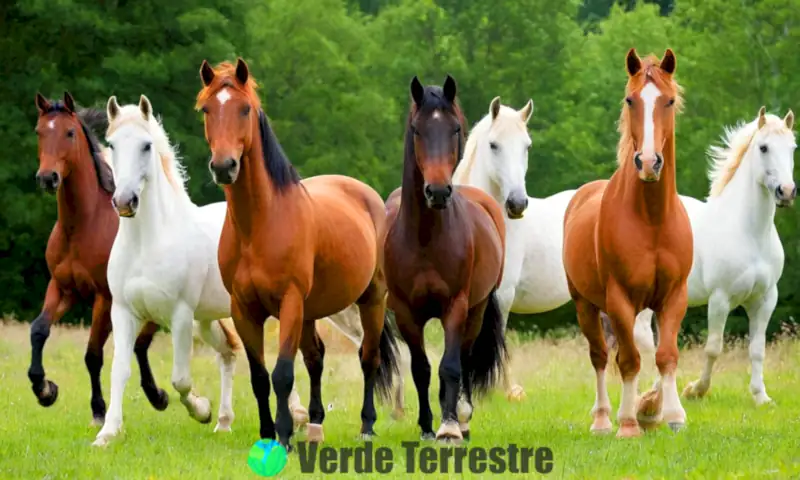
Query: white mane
<point x="726" y="159"/>
<point x="170" y="162"/>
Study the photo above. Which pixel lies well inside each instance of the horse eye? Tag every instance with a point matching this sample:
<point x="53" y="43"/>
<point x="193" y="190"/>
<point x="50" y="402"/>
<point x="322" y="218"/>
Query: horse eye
<point x="147" y="147"/>
<point x="629" y="101"/>
<point x="493" y="146"/>
<point x="414" y="130"/>
<point x="204" y="109"/>
<point x="70" y="133"/>
<point x="246" y="111"/>
<point x="763" y="148"/>
<point x="110" y="146"/>
<point x="458" y="129"/>
<point x="671" y="102"/>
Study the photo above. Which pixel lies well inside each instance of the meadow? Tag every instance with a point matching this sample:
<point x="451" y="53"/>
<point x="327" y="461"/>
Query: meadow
<point x="726" y="435"/>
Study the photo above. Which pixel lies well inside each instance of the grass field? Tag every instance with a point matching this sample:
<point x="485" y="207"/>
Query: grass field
<point x="726" y="435"/>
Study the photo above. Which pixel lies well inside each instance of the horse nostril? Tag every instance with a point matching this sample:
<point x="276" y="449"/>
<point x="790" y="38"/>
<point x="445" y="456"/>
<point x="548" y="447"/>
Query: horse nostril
<point x="794" y="191"/>
<point x="637" y="160"/>
<point x="779" y="191"/>
<point x="134" y="203"/>
<point x="428" y="191"/>
<point x="659" y="162"/>
<point x="449" y="190"/>
<point x="525" y="203"/>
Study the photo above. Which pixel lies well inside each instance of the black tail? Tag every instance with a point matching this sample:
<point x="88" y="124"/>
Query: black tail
<point x="389" y="358"/>
<point x="489" y="354"/>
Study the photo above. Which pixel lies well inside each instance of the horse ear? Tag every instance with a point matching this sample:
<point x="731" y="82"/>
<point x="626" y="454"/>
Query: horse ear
<point x="762" y="119"/>
<point x="242" y="72"/>
<point x="633" y="62"/>
<point x="527" y="111"/>
<point x="669" y="62"/>
<point x="206" y="73"/>
<point x="145" y="107"/>
<point x="112" y="108"/>
<point x="42" y="104"/>
<point x="69" y="102"/>
<point x="494" y="107"/>
<point x="417" y="91"/>
<point x="449" y="89"/>
<point x="789" y="119"/>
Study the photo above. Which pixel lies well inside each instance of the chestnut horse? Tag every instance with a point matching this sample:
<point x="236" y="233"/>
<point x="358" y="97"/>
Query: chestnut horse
<point x="628" y="246"/>
<point x="72" y="166"/>
<point x="296" y="250"/>
<point x="443" y="257"/>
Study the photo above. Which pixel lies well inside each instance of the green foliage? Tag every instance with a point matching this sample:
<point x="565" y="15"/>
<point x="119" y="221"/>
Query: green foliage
<point x="334" y="78"/>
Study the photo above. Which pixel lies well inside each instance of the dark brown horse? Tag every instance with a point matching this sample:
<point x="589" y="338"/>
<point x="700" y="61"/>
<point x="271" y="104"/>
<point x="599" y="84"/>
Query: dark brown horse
<point x="72" y="166"/>
<point x="443" y="257"/>
<point x="296" y="250"/>
<point x="628" y="246"/>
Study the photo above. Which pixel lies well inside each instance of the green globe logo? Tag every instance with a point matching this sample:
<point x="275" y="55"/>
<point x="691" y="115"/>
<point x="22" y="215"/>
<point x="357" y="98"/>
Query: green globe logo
<point x="267" y="458"/>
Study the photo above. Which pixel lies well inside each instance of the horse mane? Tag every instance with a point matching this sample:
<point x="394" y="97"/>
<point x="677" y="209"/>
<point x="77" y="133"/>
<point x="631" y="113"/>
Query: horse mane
<point x="479" y="130"/>
<point x="650" y="72"/>
<point x="167" y="154"/>
<point x="726" y="159"/>
<point x="434" y="99"/>
<point x="90" y="120"/>
<point x="225" y="76"/>
<point x="279" y="168"/>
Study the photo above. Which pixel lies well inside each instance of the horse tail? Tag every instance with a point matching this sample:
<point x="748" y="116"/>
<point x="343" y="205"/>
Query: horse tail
<point x="231" y="338"/>
<point x="488" y="356"/>
<point x="389" y="362"/>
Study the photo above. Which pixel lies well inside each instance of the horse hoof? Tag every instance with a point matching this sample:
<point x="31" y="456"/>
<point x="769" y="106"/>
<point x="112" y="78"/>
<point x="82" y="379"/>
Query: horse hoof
<point x="676" y="426"/>
<point x="427" y="436"/>
<point x="299" y="417"/>
<point x="602" y="423"/>
<point x="398" y="413"/>
<point x="629" y="429"/>
<point x="516" y="394"/>
<point x="449" y="432"/>
<point x="314" y="433"/>
<point x="102" y="440"/>
<point x="763" y="399"/>
<point x="97" y="422"/>
<point x="223" y="424"/>
<point x="160" y="401"/>
<point x="693" y="391"/>
<point x="49" y="394"/>
<point x="202" y="410"/>
<point x="367" y="437"/>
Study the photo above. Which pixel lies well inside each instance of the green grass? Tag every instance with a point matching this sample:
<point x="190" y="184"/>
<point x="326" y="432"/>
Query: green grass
<point x="726" y="435"/>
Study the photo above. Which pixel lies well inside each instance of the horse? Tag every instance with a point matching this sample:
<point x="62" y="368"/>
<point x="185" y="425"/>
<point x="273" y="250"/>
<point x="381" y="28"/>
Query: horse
<point x="443" y="257"/>
<point x="298" y="250"/>
<point x="750" y="175"/>
<point x="163" y="263"/>
<point x="496" y="161"/>
<point x="72" y="166"/>
<point x="628" y="246"/>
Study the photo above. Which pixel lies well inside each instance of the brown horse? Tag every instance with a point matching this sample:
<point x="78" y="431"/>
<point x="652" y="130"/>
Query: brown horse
<point x="443" y="257"/>
<point x="628" y="246"/>
<point x="72" y="166"/>
<point x="296" y="250"/>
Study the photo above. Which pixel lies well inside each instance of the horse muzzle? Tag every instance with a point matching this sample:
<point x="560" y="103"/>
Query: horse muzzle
<point x="785" y="195"/>
<point x="126" y="205"/>
<point x="224" y="171"/>
<point x="516" y="204"/>
<point x="438" y="197"/>
<point x="48" y="180"/>
<point x="649" y="167"/>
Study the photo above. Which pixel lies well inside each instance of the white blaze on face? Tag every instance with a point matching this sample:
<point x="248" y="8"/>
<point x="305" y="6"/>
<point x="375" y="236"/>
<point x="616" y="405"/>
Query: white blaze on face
<point x="223" y="96"/>
<point x="51" y="124"/>
<point x="650" y="94"/>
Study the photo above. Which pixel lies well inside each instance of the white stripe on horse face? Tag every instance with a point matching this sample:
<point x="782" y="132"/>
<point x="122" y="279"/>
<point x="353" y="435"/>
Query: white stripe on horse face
<point x="650" y="94"/>
<point x="51" y="124"/>
<point x="223" y="96"/>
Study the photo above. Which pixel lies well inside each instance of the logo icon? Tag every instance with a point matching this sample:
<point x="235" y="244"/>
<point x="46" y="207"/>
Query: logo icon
<point x="267" y="458"/>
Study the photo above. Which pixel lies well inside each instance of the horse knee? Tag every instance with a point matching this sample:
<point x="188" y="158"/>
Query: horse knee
<point x="450" y="370"/>
<point x="599" y="358"/>
<point x="283" y="376"/>
<point x="666" y="360"/>
<point x="182" y="385"/>
<point x="629" y="363"/>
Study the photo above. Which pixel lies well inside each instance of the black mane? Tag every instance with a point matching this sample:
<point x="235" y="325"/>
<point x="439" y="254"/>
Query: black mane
<point x="279" y="168"/>
<point x="91" y="120"/>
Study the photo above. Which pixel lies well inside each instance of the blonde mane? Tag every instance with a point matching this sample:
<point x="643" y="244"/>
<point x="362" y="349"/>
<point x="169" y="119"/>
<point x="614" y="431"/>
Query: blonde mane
<point x="170" y="164"/>
<point x="725" y="160"/>
<point x="480" y="130"/>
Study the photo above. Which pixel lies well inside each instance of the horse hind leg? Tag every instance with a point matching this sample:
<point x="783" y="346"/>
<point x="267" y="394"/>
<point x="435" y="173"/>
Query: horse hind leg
<point x="157" y="397"/>
<point x="198" y="407"/>
<point x="718" y="309"/>
<point x="313" y="350"/>
<point x="591" y="326"/>
<point x="216" y="335"/>
<point x="98" y="335"/>
<point x="56" y="304"/>
<point x="514" y="391"/>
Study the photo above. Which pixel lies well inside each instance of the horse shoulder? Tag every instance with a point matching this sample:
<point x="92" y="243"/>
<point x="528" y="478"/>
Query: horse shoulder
<point x="489" y="205"/>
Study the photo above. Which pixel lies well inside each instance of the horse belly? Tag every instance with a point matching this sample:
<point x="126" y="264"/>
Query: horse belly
<point x="488" y="258"/>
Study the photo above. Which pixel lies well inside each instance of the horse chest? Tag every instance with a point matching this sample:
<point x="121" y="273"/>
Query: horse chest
<point x="72" y="275"/>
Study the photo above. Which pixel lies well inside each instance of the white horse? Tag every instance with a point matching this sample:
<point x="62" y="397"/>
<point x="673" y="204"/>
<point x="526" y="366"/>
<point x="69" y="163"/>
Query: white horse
<point x="496" y="161"/>
<point x="738" y="256"/>
<point x="163" y="264"/>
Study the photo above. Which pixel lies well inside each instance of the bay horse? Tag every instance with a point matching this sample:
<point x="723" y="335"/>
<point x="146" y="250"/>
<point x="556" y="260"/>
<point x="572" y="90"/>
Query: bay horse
<point x="751" y="176"/>
<point x="296" y="250"/>
<point x="163" y="263"/>
<point x="443" y="258"/>
<point x="628" y="246"/>
<point x="72" y="166"/>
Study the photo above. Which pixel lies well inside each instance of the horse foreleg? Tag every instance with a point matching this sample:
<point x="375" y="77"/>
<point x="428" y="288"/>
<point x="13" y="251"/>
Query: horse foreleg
<point x="125" y="326"/>
<point x="413" y="334"/>
<point x="213" y="335"/>
<point x="56" y="304"/>
<point x="181" y="326"/>
<point x="291" y="329"/>
<point x="669" y="322"/>
<point x="505" y="298"/>
<point x="450" y="369"/>
<point x="100" y="330"/>
<point x="592" y="328"/>
<point x="759" y="313"/>
<point x="314" y="358"/>
<point x="622" y="315"/>
<point x="718" y="309"/>
<point x="157" y="397"/>
<point x="250" y="327"/>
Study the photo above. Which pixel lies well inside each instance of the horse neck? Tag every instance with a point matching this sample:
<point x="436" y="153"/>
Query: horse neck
<point x="746" y="198"/>
<point x="80" y="196"/>
<point x="652" y="202"/>
<point x="161" y="206"/>
<point x="480" y="178"/>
